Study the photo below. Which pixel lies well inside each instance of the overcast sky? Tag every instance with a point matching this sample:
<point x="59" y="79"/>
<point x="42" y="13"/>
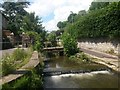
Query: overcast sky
<point x="53" y="11"/>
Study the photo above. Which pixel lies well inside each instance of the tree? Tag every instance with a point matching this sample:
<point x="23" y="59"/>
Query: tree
<point x="98" y="5"/>
<point x="14" y="11"/>
<point x="103" y="22"/>
<point x="82" y="12"/>
<point x="61" y="25"/>
<point x="32" y="23"/>
<point x="71" y="17"/>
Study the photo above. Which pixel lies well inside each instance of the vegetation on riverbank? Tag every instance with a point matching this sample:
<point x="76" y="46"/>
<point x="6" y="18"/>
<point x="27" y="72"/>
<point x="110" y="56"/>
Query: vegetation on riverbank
<point x="69" y="44"/>
<point x="12" y="62"/>
<point x="80" y="58"/>
<point x="32" y="80"/>
<point x="101" y="20"/>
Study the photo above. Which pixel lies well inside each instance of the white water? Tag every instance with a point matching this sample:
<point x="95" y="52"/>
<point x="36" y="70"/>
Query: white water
<point x="83" y="74"/>
<point x="95" y="79"/>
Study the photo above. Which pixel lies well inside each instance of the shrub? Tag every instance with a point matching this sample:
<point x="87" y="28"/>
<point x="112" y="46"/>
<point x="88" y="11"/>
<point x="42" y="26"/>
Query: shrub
<point x="19" y="54"/>
<point x="52" y="38"/>
<point x="70" y="44"/>
<point x="38" y="46"/>
<point x="14" y="61"/>
<point x="7" y="65"/>
<point x="29" y="81"/>
<point x="80" y="57"/>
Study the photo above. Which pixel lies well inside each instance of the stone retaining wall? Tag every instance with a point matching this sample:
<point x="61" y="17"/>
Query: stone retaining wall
<point x="100" y="44"/>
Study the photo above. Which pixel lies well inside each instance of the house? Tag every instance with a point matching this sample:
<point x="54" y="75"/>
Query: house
<point x="5" y="34"/>
<point x="3" y="25"/>
<point x="3" y="21"/>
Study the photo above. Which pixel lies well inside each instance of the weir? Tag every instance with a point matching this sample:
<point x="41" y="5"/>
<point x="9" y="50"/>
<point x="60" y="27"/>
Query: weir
<point x="48" y="72"/>
<point x="60" y="72"/>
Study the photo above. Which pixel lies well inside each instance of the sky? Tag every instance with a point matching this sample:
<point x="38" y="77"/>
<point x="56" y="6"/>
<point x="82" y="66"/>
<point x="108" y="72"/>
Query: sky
<point x="53" y="11"/>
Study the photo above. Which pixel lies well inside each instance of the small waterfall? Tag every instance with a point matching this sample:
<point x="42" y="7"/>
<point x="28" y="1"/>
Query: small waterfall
<point x="95" y="79"/>
<point x="84" y="74"/>
<point x="61" y="73"/>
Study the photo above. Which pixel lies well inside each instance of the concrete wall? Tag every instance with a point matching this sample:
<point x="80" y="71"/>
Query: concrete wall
<point x="99" y="44"/>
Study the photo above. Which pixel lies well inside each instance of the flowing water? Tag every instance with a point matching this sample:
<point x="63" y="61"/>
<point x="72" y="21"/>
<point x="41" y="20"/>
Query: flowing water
<point x="93" y="75"/>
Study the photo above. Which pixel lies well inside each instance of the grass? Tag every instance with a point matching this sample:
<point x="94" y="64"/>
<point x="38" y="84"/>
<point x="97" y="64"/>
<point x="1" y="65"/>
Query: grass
<point x="12" y="62"/>
<point x="30" y="81"/>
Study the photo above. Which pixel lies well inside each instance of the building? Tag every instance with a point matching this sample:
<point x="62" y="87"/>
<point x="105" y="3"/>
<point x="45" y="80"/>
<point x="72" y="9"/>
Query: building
<point x="5" y="35"/>
<point x="3" y="21"/>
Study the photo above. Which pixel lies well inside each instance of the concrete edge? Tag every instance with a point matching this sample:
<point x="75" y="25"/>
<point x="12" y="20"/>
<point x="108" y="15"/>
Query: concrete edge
<point x="8" y="78"/>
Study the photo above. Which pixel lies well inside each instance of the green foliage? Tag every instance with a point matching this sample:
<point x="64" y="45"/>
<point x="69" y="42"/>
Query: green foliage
<point x="71" y="17"/>
<point x="7" y="65"/>
<point x="30" y="81"/>
<point x="52" y="38"/>
<point x="102" y="22"/>
<point x="14" y="11"/>
<point x="36" y="39"/>
<point x="36" y="80"/>
<point x="11" y="62"/>
<point x="80" y="58"/>
<point x="61" y="25"/>
<point x="32" y="23"/>
<point x="98" y="5"/>
<point x="23" y="82"/>
<point x="70" y="44"/>
<point x="19" y="54"/>
<point x="38" y="46"/>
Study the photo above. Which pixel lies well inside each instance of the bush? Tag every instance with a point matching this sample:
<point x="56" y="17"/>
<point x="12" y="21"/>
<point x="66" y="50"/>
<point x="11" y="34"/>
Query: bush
<point x="14" y="61"/>
<point x="38" y="46"/>
<point x="70" y="44"/>
<point x="30" y="81"/>
<point x="52" y="38"/>
<point x="7" y="65"/>
<point x="79" y="57"/>
<point x="19" y="54"/>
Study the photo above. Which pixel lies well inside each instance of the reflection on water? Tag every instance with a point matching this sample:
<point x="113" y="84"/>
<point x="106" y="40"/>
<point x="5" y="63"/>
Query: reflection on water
<point x="94" y="79"/>
<point x="66" y="64"/>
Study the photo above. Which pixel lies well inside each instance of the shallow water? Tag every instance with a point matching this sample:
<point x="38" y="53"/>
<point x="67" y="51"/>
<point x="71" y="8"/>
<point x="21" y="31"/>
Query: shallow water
<point x="97" y="78"/>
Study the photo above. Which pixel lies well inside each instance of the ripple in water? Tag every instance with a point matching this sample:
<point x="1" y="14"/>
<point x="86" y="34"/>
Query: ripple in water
<point x="95" y="79"/>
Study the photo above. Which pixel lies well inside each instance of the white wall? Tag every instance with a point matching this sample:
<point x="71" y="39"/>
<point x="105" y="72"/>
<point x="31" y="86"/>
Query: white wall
<point x="100" y="46"/>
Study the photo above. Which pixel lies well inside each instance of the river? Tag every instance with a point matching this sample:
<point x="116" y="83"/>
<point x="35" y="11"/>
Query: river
<point x="77" y="75"/>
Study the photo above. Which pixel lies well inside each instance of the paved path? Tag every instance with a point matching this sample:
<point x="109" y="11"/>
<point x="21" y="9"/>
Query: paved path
<point x="34" y="61"/>
<point x="98" y="54"/>
<point x="106" y="59"/>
